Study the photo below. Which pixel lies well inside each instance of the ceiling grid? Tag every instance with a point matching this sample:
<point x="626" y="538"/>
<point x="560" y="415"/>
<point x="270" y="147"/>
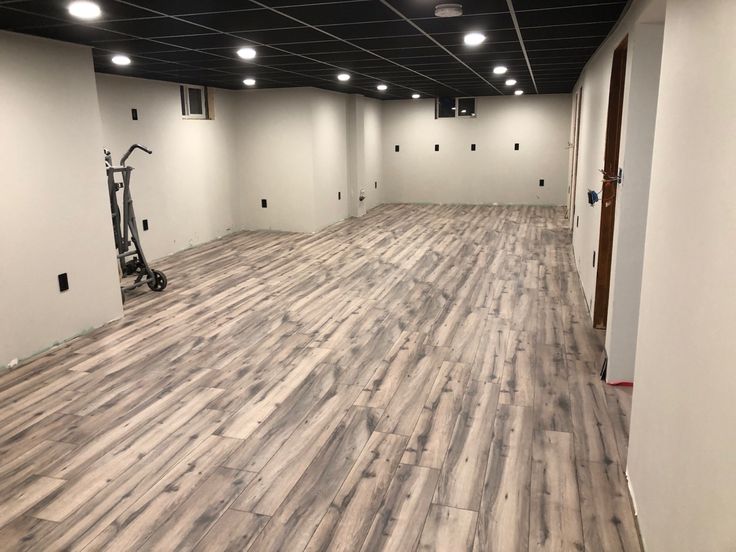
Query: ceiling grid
<point x="544" y="43"/>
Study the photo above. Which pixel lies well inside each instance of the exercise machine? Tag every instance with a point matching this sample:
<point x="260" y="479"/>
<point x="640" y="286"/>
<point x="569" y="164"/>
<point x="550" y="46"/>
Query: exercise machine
<point x="131" y="259"/>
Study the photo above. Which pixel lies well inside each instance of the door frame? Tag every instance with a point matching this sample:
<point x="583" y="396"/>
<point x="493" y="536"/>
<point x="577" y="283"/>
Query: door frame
<point x="610" y="182"/>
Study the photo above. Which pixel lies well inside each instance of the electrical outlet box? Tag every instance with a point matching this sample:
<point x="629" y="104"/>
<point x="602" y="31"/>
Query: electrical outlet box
<point x="516" y="147"/>
<point x="541" y="182"/>
<point x="436" y="147"/>
<point x="145" y="224"/>
<point x="134" y="114"/>
<point x="63" y="282"/>
<point x="396" y="148"/>
<point x="264" y="203"/>
<point x="339" y="195"/>
<point x="375" y="184"/>
<point x="472" y="147"/>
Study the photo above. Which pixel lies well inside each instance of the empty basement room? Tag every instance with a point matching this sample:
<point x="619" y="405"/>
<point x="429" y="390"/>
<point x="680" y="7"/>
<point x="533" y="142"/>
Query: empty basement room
<point x="367" y="275"/>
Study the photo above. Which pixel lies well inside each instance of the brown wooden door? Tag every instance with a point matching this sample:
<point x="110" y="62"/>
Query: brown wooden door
<point x="610" y="173"/>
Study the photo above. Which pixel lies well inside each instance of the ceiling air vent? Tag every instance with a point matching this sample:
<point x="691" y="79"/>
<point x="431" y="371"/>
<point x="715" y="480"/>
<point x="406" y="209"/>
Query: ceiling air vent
<point x="448" y="10"/>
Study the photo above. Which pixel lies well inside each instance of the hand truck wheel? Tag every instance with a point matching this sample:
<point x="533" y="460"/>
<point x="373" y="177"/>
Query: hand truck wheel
<point x="159" y="281"/>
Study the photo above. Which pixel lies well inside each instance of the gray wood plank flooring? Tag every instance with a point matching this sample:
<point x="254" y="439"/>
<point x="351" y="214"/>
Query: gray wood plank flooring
<point x="422" y="378"/>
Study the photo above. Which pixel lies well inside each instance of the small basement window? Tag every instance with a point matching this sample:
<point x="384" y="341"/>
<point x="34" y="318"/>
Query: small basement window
<point x="445" y="107"/>
<point x="466" y="107"/>
<point x="194" y="102"/>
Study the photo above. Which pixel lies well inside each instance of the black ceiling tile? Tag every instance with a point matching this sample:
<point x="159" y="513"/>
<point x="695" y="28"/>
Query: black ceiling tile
<point x="372" y="30"/>
<point x="600" y="30"/>
<point x="293" y="35"/>
<point x="196" y="41"/>
<point x="194" y="7"/>
<point x="133" y="46"/>
<point x="522" y="5"/>
<point x="422" y="9"/>
<point x="482" y="23"/>
<point x="242" y="21"/>
<point x="587" y="13"/>
<point x="337" y="14"/>
<point x="150" y="27"/>
<point x="58" y="10"/>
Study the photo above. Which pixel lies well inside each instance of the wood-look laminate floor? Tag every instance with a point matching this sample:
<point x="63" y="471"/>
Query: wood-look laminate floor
<point x="422" y="378"/>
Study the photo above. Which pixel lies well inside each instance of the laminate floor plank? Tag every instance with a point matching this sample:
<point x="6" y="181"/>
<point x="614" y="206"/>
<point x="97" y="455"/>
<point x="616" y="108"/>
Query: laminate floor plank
<point x="420" y="378"/>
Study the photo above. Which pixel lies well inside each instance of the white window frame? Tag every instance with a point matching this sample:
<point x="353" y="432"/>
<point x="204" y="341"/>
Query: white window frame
<point x="203" y="92"/>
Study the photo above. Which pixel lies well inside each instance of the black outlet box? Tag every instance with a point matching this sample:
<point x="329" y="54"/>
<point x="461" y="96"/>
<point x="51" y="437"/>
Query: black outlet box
<point x="63" y="282"/>
<point x="264" y="203"/>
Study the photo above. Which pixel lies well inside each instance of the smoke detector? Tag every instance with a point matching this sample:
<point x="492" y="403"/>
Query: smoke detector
<point x="448" y="10"/>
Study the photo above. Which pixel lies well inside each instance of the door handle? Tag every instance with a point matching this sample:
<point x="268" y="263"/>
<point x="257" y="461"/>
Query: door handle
<point x="606" y="178"/>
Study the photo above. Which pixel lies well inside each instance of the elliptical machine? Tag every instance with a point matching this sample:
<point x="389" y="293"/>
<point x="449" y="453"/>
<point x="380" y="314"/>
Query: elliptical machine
<point x="126" y="229"/>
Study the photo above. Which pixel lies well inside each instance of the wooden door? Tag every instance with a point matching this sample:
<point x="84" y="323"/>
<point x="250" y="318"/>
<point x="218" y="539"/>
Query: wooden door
<point x="610" y="182"/>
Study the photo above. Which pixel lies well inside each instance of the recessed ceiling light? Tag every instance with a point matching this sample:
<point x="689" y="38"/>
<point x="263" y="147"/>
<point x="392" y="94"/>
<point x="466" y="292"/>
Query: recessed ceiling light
<point x="510" y="82"/>
<point x="121" y="60"/>
<point x="247" y="53"/>
<point x="84" y="10"/>
<point x="518" y="92"/>
<point x="382" y="87"/>
<point x="249" y="82"/>
<point x="415" y="96"/>
<point x="473" y="39"/>
<point x="343" y="77"/>
<point x="464" y="111"/>
<point x="499" y="70"/>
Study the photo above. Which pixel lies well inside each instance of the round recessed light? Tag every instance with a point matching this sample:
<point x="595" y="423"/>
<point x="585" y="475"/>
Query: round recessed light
<point x="510" y="82"/>
<point x="343" y="77"/>
<point x="448" y="10"/>
<point x="415" y="96"/>
<point x="249" y="82"/>
<point x="382" y="87"/>
<point x="473" y="39"/>
<point x="518" y="92"/>
<point x="247" y="53"/>
<point x="499" y="70"/>
<point x="121" y="60"/>
<point x="84" y="10"/>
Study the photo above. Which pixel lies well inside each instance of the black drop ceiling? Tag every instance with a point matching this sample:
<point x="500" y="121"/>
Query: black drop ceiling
<point x="307" y="42"/>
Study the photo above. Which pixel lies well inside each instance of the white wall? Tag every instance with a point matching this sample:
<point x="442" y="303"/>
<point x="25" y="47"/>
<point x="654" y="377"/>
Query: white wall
<point x="329" y="146"/>
<point x="682" y="450"/>
<point x="632" y="198"/>
<point x="54" y="211"/>
<point x="595" y="80"/>
<point x="275" y="159"/>
<point x="494" y="173"/>
<point x="373" y="153"/>
<point x="185" y="188"/>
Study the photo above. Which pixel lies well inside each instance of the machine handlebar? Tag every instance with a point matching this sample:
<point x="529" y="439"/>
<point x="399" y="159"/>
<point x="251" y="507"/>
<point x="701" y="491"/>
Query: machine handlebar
<point x="131" y="149"/>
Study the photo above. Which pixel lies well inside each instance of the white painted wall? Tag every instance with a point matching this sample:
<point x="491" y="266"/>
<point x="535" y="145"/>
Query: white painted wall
<point x="373" y="153"/>
<point x="185" y="188"/>
<point x="54" y="211"/>
<point x="494" y="173"/>
<point x="632" y="198"/>
<point x="595" y="80"/>
<point x="329" y="146"/>
<point x="683" y="443"/>
<point x="275" y="159"/>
